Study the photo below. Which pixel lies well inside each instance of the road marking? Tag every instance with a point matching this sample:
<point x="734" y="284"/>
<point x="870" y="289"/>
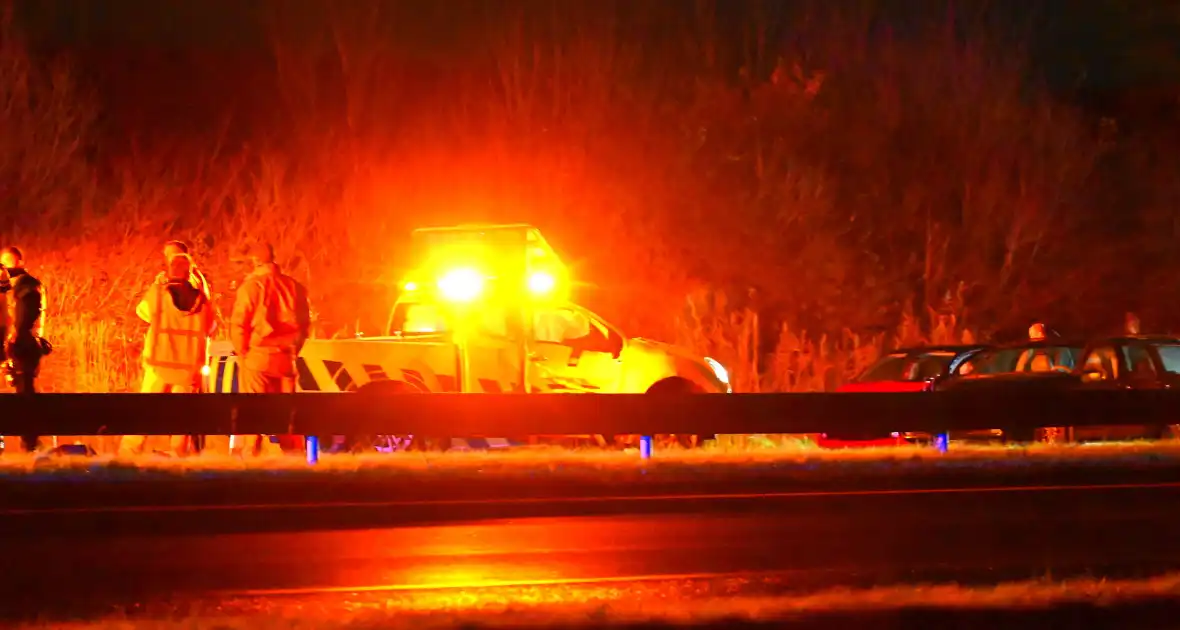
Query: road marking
<point x="132" y="509"/>
<point x="324" y="590"/>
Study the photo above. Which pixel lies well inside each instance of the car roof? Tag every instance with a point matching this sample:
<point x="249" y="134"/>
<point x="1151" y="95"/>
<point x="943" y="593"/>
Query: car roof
<point x="959" y="349"/>
<point x="1138" y="338"/>
<point x="1049" y="342"/>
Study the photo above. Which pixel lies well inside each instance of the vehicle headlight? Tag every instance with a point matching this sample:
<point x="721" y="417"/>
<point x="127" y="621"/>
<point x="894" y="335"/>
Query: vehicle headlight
<point x="720" y="372"/>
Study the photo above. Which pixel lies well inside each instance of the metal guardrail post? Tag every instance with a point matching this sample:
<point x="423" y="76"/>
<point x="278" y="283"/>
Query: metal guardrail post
<point x="312" y="443"/>
<point x="645" y="447"/>
<point x="942" y="441"/>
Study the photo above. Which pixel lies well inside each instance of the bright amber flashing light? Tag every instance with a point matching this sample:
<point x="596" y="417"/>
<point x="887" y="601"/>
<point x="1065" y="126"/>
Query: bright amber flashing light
<point x="461" y="285"/>
<point x="541" y="283"/>
<point x="411" y="286"/>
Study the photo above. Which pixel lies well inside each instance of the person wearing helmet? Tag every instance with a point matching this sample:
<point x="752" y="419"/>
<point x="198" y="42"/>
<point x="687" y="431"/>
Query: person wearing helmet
<point x="1036" y="332"/>
<point x="1038" y="359"/>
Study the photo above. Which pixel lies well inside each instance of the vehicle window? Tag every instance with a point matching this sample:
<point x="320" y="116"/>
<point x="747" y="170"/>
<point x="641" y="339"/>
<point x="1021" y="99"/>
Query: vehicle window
<point x="1138" y="361"/>
<point x="422" y="318"/>
<point x="1103" y="360"/>
<point x="560" y="325"/>
<point x="1035" y="360"/>
<point x="1170" y="357"/>
<point x="426" y="318"/>
<point x="928" y="366"/>
<point x="994" y="362"/>
<point x="889" y="368"/>
<point x="1009" y="360"/>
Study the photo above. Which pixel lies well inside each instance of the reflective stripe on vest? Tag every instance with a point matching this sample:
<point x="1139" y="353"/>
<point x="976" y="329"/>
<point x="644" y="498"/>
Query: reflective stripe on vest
<point x="177" y="343"/>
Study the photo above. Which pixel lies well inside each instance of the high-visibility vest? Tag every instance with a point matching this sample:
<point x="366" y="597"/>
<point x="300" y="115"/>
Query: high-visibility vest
<point x="176" y="343"/>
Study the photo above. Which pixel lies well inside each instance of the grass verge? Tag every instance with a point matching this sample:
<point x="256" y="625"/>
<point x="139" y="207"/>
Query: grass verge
<point x="552" y="473"/>
<point x="556" y="463"/>
<point x="1139" y="603"/>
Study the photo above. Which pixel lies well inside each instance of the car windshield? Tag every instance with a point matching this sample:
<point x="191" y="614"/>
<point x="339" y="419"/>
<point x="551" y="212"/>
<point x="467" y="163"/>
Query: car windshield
<point x="1040" y="358"/>
<point x="908" y="367"/>
<point x="1170" y="356"/>
<point x="890" y="368"/>
<point x="424" y="318"/>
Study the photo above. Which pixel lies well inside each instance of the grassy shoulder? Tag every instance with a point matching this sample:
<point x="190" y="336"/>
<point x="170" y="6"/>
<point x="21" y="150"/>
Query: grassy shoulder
<point x="788" y="460"/>
<point x="549" y="472"/>
<point x="1140" y="603"/>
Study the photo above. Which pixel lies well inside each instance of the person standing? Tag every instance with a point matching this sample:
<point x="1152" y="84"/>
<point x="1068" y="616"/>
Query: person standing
<point x="24" y="341"/>
<point x="271" y="320"/>
<point x="201" y="281"/>
<point x="180" y="320"/>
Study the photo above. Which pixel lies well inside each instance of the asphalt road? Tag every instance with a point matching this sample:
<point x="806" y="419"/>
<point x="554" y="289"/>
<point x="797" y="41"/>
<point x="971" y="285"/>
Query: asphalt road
<point x="95" y="556"/>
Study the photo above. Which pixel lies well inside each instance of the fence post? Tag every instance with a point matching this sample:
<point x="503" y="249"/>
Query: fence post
<point x="942" y="441"/>
<point x="312" y="443"/>
<point x="645" y="447"/>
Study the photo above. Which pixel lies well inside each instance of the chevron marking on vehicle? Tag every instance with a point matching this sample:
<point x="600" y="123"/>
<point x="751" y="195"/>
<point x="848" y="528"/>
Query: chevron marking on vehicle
<point x="571" y="382"/>
<point x="375" y="373"/>
<point x="415" y="378"/>
<point x="305" y="380"/>
<point x="482" y="443"/>
<point x="446" y="383"/>
<point x="226" y="379"/>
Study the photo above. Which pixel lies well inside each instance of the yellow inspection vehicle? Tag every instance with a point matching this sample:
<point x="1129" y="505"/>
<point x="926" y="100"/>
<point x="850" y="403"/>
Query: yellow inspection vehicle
<point x="488" y="310"/>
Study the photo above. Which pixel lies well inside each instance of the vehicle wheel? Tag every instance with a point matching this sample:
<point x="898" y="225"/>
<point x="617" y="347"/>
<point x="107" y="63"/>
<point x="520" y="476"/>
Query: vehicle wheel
<point x="618" y="442"/>
<point x="387" y="443"/>
<point x="677" y="386"/>
<point x="1020" y="435"/>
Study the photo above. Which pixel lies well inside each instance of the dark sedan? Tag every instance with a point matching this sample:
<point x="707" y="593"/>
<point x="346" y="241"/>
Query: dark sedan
<point x="1127" y="362"/>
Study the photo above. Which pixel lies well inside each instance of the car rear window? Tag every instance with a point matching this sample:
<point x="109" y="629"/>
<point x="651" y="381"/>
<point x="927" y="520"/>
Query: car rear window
<point x="1170" y="356"/>
<point x="890" y="368"/>
<point x="930" y="365"/>
<point x="1008" y="360"/>
<point x="908" y="367"/>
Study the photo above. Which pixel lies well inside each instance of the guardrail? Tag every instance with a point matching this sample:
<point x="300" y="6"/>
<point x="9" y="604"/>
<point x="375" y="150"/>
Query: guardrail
<point x="462" y="415"/>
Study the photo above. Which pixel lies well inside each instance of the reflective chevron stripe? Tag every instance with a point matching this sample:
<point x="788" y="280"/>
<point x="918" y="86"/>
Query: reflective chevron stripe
<point x="304" y="379"/>
<point x="482" y="444"/>
<point x="223" y="377"/>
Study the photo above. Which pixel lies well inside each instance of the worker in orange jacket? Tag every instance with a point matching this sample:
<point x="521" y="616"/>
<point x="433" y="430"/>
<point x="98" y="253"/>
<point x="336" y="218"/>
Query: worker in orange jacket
<point x="271" y="321"/>
<point x="180" y="320"/>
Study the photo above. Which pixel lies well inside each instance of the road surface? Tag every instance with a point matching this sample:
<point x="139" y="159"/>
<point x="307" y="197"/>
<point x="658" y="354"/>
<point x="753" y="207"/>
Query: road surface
<point x="108" y="557"/>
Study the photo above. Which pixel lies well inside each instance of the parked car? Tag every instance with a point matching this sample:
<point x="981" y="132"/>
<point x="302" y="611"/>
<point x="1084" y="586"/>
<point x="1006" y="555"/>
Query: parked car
<point x="911" y="369"/>
<point x="906" y="370"/>
<point x="1125" y="362"/>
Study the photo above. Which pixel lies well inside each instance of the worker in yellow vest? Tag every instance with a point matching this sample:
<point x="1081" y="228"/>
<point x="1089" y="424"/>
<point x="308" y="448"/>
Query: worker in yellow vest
<point x="180" y="320"/>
